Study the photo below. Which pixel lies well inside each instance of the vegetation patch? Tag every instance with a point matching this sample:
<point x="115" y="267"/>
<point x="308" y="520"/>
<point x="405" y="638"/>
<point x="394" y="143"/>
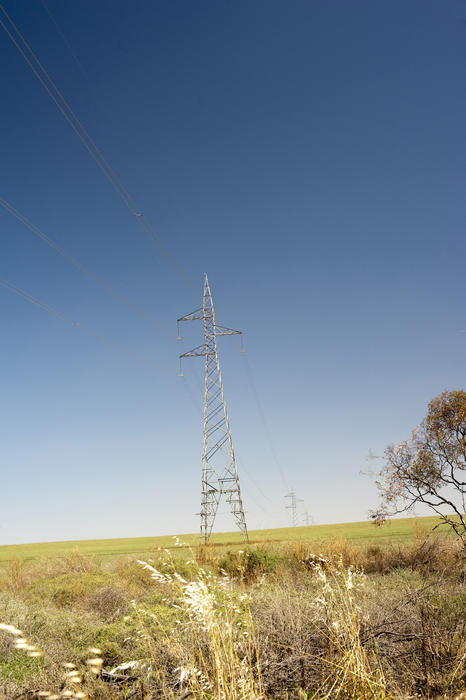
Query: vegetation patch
<point x="249" y="564"/>
<point x="19" y="668"/>
<point x="321" y="619"/>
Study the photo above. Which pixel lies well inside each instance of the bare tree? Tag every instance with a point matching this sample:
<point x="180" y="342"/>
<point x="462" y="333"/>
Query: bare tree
<point x="430" y="468"/>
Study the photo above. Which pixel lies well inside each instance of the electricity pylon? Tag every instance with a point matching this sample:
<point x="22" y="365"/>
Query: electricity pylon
<point x="293" y="503"/>
<point x="308" y="519"/>
<point x="219" y="473"/>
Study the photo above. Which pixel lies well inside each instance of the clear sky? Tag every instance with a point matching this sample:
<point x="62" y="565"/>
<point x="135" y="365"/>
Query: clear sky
<point x="310" y="157"/>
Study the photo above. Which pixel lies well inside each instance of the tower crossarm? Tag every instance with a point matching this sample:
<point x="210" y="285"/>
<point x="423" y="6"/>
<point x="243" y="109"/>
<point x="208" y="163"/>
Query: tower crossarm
<point x="200" y="351"/>
<point x="196" y="315"/>
<point x="221" y="330"/>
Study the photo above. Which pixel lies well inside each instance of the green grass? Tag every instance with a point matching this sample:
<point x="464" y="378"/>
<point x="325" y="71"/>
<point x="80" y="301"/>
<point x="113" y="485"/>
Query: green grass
<point x="19" y="667"/>
<point x="400" y="529"/>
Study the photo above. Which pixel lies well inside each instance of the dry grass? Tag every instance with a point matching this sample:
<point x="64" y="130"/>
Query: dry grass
<point x="429" y="555"/>
<point x="407" y="635"/>
<point x="296" y="620"/>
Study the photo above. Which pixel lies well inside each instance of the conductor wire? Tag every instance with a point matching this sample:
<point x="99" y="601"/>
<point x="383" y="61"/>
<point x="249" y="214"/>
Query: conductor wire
<point x="263" y="420"/>
<point x="91" y="147"/>
<point x="79" y="266"/>
<point x="75" y="324"/>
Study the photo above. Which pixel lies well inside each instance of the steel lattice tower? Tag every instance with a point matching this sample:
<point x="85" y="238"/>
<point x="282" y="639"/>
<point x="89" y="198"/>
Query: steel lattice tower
<point x="293" y="504"/>
<point x="219" y="473"/>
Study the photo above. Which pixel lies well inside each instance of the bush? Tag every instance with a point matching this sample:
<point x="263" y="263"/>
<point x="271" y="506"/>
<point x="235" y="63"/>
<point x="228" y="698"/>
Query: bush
<point x="249" y="564"/>
<point x="109" y="602"/>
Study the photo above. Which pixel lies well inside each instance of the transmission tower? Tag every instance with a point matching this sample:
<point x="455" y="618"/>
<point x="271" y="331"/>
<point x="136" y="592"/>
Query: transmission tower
<point x="219" y="473"/>
<point x="308" y="519"/>
<point x="292" y="505"/>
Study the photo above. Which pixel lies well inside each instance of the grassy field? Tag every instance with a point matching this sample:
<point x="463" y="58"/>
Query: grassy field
<point x="398" y="530"/>
<point x="322" y="612"/>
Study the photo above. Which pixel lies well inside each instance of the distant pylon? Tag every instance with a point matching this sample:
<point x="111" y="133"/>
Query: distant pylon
<point x="293" y="502"/>
<point x="219" y="473"/>
<point x="308" y="519"/>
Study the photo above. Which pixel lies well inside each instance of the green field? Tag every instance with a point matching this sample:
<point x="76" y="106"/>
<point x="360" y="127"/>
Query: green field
<point x="400" y="529"/>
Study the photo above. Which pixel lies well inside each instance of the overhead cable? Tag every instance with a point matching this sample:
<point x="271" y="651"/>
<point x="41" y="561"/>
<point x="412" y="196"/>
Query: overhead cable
<point x="265" y="426"/>
<point x="79" y="266"/>
<point x="65" y="40"/>
<point x="57" y="97"/>
<point x="76" y="324"/>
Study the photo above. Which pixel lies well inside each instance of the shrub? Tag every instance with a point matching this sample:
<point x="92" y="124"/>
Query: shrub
<point x="249" y="564"/>
<point x="109" y="602"/>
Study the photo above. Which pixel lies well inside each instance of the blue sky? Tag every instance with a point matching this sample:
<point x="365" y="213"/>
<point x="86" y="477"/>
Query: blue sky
<point x="309" y="156"/>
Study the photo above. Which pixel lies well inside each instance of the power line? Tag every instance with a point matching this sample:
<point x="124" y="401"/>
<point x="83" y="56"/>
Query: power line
<point x="65" y="40"/>
<point x="263" y="420"/>
<point x="77" y="126"/>
<point x="75" y="324"/>
<point x="78" y="265"/>
<point x="67" y="112"/>
<point x="70" y="116"/>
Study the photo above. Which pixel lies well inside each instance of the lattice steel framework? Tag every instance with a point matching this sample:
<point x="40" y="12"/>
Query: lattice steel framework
<point x="293" y="503"/>
<point x="219" y="473"/>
